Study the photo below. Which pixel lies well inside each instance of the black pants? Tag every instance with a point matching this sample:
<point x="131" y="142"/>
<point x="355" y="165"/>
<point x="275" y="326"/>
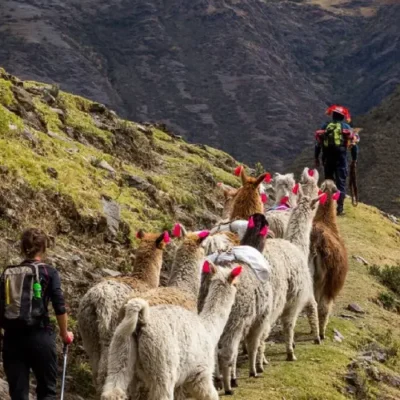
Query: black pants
<point x="34" y="350"/>
<point x="335" y="168"/>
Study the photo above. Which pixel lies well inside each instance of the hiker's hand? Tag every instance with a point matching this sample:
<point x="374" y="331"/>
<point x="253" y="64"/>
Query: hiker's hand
<point x="317" y="163"/>
<point x="67" y="338"/>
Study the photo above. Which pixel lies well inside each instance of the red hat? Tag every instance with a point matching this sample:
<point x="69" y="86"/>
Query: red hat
<point x="339" y="110"/>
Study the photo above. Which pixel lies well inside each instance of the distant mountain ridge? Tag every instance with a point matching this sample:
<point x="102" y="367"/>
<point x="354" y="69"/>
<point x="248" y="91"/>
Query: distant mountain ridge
<point x="250" y="77"/>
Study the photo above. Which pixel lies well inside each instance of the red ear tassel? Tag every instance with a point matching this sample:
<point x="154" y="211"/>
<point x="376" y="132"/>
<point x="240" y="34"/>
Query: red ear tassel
<point x="176" y="232"/>
<point x="203" y="234"/>
<point x="323" y="198"/>
<point x="336" y="196"/>
<point x="267" y="178"/>
<point x="264" y="231"/>
<point x="167" y="239"/>
<point x="206" y="267"/>
<point x="236" y="271"/>
<point x="264" y="198"/>
<point x="320" y="192"/>
<point x="311" y="172"/>
<point x="284" y="200"/>
<point x="238" y="170"/>
<point x="250" y="224"/>
<point x="295" y="189"/>
<point x="137" y="235"/>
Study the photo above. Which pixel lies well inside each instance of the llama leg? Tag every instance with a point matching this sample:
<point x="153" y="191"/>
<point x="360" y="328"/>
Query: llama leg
<point x="234" y="383"/>
<point x="253" y="342"/>
<point x="217" y="373"/>
<point x="203" y="388"/>
<point x="261" y="359"/>
<point x="227" y="355"/>
<point x="312" y="314"/>
<point x="289" y="319"/>
<point x="244" y="348"/>
<point x="324" y="310"/>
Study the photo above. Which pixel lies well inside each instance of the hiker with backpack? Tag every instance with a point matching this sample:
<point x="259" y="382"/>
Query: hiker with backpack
<point x="334" y="139"/>
<point x="29" y="339"/>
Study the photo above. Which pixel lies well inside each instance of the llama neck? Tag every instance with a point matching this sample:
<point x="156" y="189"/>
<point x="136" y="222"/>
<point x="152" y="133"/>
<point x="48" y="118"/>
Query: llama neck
<point x="247" y="202"/>
<point x="299" y="229"/>
<point x="185" y="273"/>
<point x="148" y="266"/>
<point x="216" y="310"/>
<point x="326" y="214"/>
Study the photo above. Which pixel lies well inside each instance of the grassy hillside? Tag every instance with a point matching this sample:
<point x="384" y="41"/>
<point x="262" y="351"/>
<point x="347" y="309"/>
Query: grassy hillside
<point x="53" y="149"/>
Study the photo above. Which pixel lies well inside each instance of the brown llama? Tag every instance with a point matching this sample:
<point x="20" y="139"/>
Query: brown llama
<point x="328" y="256"/>
<point x="248" y="201"/>
<point x="99" y="307"/>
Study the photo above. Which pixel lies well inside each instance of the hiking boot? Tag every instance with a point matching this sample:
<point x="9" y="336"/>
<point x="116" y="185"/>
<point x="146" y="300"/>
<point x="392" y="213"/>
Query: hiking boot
<point x="340" y="213"/>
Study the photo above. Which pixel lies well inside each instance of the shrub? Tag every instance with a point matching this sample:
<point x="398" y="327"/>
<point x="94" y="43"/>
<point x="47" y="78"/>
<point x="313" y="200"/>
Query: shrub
<point x="388" y="276"/>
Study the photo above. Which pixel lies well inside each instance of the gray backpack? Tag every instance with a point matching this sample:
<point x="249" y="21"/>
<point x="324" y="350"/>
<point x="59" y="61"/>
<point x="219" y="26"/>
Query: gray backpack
<point x="21" y="302"/>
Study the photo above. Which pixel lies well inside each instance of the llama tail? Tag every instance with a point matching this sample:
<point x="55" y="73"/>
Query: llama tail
<point x="123" y="350"/>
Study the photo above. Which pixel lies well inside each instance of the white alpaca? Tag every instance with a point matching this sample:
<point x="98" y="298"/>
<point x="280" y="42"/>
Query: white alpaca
<point x="99" y="307"/>
<point x="286" y="292"/>
<point x="168" y="347"/>
<point x="278" y="218"/>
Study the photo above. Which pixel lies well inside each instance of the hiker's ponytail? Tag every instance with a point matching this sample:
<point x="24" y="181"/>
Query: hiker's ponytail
<point x="33" y="242"/>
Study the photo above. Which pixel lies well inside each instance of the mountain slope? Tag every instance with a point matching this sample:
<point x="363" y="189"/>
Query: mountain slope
<point x="91" y="180"/>
<point x="250" y="77"/>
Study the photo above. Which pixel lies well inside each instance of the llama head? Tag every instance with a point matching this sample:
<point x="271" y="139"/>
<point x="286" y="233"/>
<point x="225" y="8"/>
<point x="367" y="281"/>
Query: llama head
<point x="328" y="186"/>
<point x="153" y="239"/>
<point x="256" y="232"/>
<point x="309" y="180"/>
<point x="221" y="275"/>
<point x="249" y="181"/>
<point x="283" y="187"/>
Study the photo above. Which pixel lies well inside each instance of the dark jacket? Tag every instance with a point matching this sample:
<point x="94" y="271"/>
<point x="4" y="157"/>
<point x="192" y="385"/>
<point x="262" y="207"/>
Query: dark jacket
<point x="348" y="136"/>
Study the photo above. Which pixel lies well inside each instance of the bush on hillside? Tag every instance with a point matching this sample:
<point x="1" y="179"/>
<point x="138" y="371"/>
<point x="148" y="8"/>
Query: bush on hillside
<point x="388" y="276"/>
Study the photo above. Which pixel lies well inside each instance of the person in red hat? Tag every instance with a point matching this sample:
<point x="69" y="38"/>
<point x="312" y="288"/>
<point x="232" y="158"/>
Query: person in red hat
<point x="333" y="140"/>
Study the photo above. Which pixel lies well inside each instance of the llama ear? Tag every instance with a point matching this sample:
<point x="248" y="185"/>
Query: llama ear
<point x="234" y="274"/>
<point x="202" y="235"/>
<point x="209" y="268"/>
<point x="178" y="231"/>
<point x="243" y="176"/>
<point x="261" y="178"/>
<point x="336" y="196"/>
<point x="250" y="223"/>
<point x="300" y="192"/>
<point x="322" y="198"/>
<point x="166" y="237"/>
<point x="268" y="178"/>
<point x="264" y="198"/>
<point x="219" y="184"/>
<point x="264" y="231"/>
<point x="238" y="170"/>
<point x="284" y="200"/>
<point x="140" y="234"/>
<point x="162" y="240"/>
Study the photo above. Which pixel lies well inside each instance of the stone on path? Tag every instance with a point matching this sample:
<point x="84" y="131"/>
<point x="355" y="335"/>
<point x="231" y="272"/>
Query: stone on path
<point x="354" y="307"/>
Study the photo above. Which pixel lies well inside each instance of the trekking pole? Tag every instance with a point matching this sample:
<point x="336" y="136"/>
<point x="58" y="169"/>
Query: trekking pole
<point x="65" y="354"/>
